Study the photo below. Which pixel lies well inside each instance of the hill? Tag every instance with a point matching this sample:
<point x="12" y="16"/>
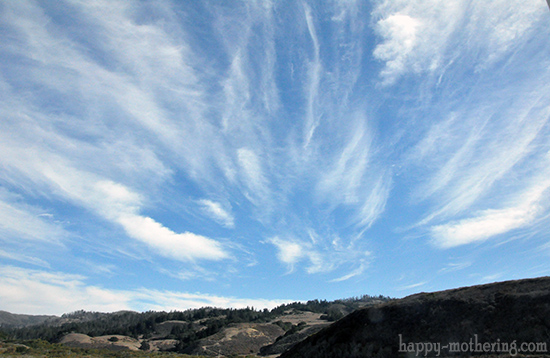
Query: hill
<point x="480" y="320"/>
<point x="207" y="331"/>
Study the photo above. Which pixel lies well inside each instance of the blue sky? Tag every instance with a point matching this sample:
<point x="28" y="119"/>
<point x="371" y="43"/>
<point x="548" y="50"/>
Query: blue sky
<point x="175" y="154"/>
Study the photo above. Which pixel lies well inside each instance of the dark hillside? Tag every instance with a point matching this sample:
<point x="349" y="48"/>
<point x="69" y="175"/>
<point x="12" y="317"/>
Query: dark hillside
<point x="506" y="312"/>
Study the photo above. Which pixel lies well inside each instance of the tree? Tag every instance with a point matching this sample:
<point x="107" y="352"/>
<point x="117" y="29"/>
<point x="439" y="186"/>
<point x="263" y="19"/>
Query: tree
<point x="145" y="346"/>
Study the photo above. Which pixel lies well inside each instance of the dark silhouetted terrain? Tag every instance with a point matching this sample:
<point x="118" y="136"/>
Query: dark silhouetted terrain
<point x="506" y="312"/>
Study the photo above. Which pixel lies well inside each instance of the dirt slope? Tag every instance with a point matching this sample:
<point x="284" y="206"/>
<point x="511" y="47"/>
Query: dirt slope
<point x="242" y="338"/>
<point x="112" y="342"/>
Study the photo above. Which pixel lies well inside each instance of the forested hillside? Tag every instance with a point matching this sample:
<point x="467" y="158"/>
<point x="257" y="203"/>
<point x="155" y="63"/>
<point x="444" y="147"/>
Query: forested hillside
<point x="184" y="328"/>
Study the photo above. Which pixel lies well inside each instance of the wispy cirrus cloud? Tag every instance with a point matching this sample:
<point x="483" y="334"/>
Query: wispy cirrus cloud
<point x="455" y="266"/>
<point x="412" y="286"/>
<point x="85" y="161"/>
<point x="428" y="36"/>
<point x="289" y="252"/>
<point x="334" y="160"/>
<point x="320" y="256"/>
<point x="476" y="154"/>
<point x="22" y="222"/>
<point x="354" y="273"/>
<point x="111" y="200"/>
<point x="314" y="77"/>
<point x="218" y="212"/>
<point x="194" y="131"/>
<point x="254" y="179"/>
<point x="10" y="255"/>
<point x="491" y="222"/>
<point x="495" y="151"/>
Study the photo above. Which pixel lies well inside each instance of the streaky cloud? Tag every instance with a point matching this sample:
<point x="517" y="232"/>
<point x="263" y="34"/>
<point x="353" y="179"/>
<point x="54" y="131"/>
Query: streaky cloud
<point x="491" y="222"/>
<point x="218" y="212"/>
<point x="424" y="37"/>
<point x="314" y="74"/>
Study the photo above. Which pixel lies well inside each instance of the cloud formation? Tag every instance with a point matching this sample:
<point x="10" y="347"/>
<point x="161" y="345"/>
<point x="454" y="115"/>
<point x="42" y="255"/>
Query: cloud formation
<point x="345" y="135"/>
<point x="218" y="212"/>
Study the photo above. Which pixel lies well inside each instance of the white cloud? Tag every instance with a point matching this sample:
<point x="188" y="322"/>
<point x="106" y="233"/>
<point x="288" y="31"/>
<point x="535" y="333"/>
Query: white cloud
<point x="237" y="95"/>
<point x="108" y="199"/>
<point x="253" y="175"/>
<point x="314" y="78"/>
<point x="505" y="22"/>
<point x="375" y="203"/>
<point x="217" y="212"/>
<point x="347" y="176"/>
<point x="355" y="178"/>
<point x="44" y="292"/>
<point x="491" y="222"/>
<point x="491" y="278"/>
<point x="411" y="286"/>
<point x="358" y="271"/>
<point x="23" y="258"/>
<point x="184" y="246"/>
<point x="289" y="252"/>
<point x="115" y="198"/>
<point x="401" y="34"/>
<point x="451" y="267"/>
<point x="318" y="257"/>
<point x="489" y="149"/>
<point x="421" y="36"/>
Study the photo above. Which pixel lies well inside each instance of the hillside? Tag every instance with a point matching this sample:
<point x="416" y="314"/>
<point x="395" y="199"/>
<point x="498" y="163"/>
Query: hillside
<point x="500" y="313"/>
<point x="207" y="331"/>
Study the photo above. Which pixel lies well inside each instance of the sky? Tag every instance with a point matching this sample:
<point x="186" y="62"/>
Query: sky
<point x="166" y="155"/>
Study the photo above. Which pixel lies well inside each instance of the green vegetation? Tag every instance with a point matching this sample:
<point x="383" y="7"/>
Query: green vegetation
<point x="38" y="348"/>
<point x="293" y="329"/>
